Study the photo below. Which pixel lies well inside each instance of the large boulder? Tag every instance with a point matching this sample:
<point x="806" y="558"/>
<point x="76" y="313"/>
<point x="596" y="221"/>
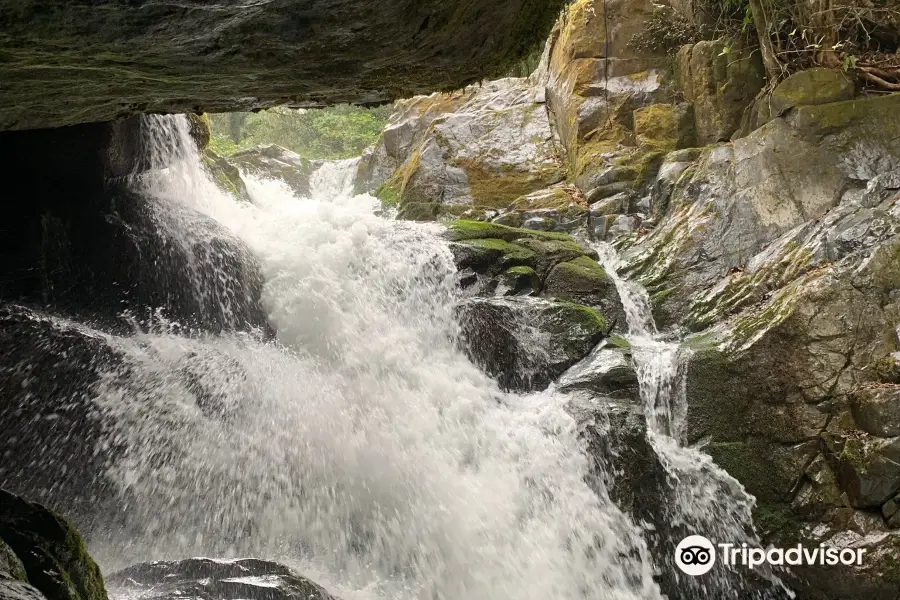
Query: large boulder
<point x="498" y="260"/>
<point x="738" y="199"/>
<point x="525" y="343"/>
<point x="74" y="64"/>
<point x="65" y="395"/>
<point x="482" y="148"/>
<point x="211" y="579"/>
<point x="52" y="428"/>
<point x="270" y="161"/>
<point x="42" y="556"/>
<point x="596" y="78"/>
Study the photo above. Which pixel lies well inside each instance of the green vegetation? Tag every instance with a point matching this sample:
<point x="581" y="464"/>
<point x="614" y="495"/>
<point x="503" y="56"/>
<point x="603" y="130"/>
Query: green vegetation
<point x="341" y="131"/>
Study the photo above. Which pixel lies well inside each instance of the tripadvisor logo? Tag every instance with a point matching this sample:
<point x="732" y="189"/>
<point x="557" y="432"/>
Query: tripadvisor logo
<point x="696" y="555"/>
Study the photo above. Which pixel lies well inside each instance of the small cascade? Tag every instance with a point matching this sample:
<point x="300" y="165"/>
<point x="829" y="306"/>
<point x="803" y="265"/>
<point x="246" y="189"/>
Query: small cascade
<point x="189" y="264"/>
<point x="703" y="499"/>
<point x="334" y="179"/>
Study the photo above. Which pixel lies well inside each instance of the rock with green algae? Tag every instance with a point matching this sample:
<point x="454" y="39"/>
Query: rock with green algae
<point x="726" y="212"/>
<point x="524" y="342"/>
<point x="49" y="550"/>
<point x="200" y="130"/>
<point x="580" y="279"/>
<point x="804" y="88"/>
<point x="74" y="65"/>
<point x="226" y="175"/>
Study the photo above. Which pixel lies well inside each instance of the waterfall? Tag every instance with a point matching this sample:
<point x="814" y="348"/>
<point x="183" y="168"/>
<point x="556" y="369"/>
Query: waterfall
<point x="703" y="498"/>
<point x="361" y="446"/>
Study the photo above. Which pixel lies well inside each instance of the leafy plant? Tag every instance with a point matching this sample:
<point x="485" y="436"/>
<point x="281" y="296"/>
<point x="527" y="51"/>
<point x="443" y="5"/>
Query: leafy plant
<point x="341" y="131"/>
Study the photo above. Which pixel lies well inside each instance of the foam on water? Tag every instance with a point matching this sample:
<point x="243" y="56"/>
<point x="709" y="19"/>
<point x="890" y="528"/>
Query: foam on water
<point x="363" y="446"/>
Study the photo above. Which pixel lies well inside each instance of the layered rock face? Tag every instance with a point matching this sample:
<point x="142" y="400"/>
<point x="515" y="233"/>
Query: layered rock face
<point x="82" y="63"/>
<point x="764" y="226"/>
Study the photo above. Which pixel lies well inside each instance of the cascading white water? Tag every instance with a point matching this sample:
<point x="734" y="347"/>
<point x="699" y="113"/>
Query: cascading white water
<point x="363" y="446"/>
<point x="705" y="499"/>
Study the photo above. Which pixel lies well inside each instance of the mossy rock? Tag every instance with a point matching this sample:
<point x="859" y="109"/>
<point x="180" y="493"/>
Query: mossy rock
<point x="226" y="175"/>
<point x="419" y="211"/>
<point x="469" y="230"/>
<point x="528" y="342"/>
<point x="200" y="130"/>
<point x="520" y="279"/>
<point x="811" y="87"/>
<point x="577" y="279"/>
<point x="491" y="254"/>
<point x="51" y="551"/>
<point x="667" y="127"/>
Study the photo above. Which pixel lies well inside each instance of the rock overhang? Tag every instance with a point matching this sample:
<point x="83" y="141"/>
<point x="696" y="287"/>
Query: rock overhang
<point x="65" y="63"/>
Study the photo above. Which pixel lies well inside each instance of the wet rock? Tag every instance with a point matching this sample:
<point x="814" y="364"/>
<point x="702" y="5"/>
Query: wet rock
<point x="672" y="168"/>
<point x="290" y="52"/>
<point x="270" y="161"/>
<point x="226" y="175"/>
<point x="869" y="471"/>
<point x="208" y="279"/>
<point x="876" y="410"/>
<point x="60" y="445"/>
<point x="735" y="204"/>
<point x="582" y="280"/>
<point x="608" y="371"/>
<point x="558" y="208"/>
<point x="53" y="430"/>
<point x="211" y="579"/>
<point x="50" y="552"/>
<point x="525" y="343"/>
<point x="890" y="508"/>
<point x="86" y="243"/>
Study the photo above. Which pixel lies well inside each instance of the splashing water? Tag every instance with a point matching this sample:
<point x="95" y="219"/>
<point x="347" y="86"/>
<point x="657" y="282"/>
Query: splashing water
<point x="363" y="447"/>
<point x="705" y="499"/>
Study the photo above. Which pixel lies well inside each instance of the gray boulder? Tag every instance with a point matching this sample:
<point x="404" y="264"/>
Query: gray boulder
<point x="211" y="579"/>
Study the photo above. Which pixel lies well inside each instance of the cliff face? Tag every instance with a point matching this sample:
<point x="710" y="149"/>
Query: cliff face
<point x="764" y="220"/>
<point x="76" y="62"/>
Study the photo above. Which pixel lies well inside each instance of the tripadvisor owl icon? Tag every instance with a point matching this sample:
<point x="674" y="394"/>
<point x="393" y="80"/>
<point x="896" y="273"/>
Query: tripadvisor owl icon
<point x="695" y="555"/>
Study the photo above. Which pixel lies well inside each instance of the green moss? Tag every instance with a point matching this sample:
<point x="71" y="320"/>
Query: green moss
<point x="225" y="174"/>
<point x="521" y="277"/>
<point x="619" y="342"/>
<point x="521" y="271"/>
<point x="200" y="130"/>
<point x="777" y="523"/>
<point x="581" y="279"/>
<point x="492" y="189"/>
<point x="506" y="253"/>
<point x="586" y="317"/>
<point x="52" y="552"/>
<point x="466" y="230"/>
<point x="389" y="196"/>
